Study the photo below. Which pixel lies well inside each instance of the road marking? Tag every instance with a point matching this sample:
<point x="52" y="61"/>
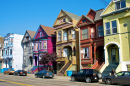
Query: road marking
<point x="16" y="82"/>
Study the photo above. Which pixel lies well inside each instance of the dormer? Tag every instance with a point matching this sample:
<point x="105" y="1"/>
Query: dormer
<point x="91" y="14"/>
<point x="84" y="20"/>
<point x="116" y="6"/>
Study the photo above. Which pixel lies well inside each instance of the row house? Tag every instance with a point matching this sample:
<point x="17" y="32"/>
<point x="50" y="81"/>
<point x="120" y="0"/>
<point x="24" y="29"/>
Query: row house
<point x="27" y="43"/>
<point x="91" y="39"/>
<point x="1" y="53"/>
<point x="66" y="42"/>
<point x="12" y="51"/>
<point x="44" y="42"/>
<point x="116" y="21"/>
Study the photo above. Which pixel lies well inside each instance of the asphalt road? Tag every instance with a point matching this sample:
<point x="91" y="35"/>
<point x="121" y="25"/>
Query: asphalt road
<point x="30" y="80"/>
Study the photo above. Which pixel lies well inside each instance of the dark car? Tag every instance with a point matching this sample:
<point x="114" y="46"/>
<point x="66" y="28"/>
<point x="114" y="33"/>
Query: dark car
<point x="44" y="74"/>
<point x="87" y="75"/>
<point x="20" y="72"/>
<point x="122" y="77"/>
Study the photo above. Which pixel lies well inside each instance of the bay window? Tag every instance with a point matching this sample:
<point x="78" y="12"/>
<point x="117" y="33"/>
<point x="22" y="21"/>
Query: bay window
<point x="59" y="36"/>
<point x="65" y="35"/>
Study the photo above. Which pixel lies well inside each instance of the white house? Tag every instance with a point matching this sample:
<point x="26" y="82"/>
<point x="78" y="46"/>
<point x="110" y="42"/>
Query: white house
<point x="13" y="51"/>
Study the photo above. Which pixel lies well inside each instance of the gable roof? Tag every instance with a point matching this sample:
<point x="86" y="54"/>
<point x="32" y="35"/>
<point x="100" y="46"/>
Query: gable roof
<point x="48" y="30"/>
<point x="98" y="13"/>
<point x="71" y="15"/>
<point x="105" y="9"/>
<point x="31" y="33"/>
<point x="90" y="11"/>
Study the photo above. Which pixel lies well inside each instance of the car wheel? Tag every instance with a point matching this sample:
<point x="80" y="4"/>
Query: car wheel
<point x="72" y="78"/>
<point x="108" y="81"/>
<point x="18" y="74"/>
<point x="36" y="76"/>
<point x="88" y="80"/>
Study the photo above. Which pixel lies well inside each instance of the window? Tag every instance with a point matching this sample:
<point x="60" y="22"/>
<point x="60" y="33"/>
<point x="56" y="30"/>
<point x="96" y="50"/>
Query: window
<point x="65" y="52"/>
<point x="73" y="34"/>
<point x="120" y="4"/>
<point x="69" y="31"/>
<point x="84" y="33"/>
<point x="44" y="45"/>
<point x="10" y="51"/>
<point x="114" y="27"/>
<point x="92" y="33"/>
<point x="65" y="35"/>
<point x="40" y="34"/>
<point x="84" y="20"/>
<point x="86" y="52"/>
<point x="64" y="20"/>
<point x="11" y="40"/>
<point x="40" y="45"/>
<point x="107" y="28"/>
<point x="6" y="52"/>
<point x="100" y="31"/>
<point x="120" y="74"/>
<point x="59" y="36"/>
<point x="36" y="46"/>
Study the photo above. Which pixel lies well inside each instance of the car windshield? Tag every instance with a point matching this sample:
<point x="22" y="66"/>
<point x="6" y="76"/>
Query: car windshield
<point x="119" y="74"/>
<point x="11" y="69"/>
<point x="42" y="71"/>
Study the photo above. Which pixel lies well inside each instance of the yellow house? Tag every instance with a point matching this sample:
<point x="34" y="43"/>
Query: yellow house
<point x="66" y="42"/>
<point x="116" y="21"/>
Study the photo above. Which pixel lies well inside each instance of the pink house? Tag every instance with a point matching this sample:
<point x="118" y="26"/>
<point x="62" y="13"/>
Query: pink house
<point x="44" y="41"/>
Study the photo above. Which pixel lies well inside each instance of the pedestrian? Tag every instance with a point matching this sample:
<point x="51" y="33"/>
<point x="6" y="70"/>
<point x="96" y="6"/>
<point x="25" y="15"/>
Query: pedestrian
<point x="113" y="72"/>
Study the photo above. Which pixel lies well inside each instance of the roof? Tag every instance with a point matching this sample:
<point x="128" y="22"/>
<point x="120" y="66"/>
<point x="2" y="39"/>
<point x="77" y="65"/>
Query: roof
<point x="31" y="33"/>
<point x="98" y="13"/>
<point x="48" y="30"/>
<point x="71" y="15"/>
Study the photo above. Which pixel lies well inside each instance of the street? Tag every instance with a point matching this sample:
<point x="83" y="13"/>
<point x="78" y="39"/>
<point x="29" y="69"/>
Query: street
<point x="30" y="80"/>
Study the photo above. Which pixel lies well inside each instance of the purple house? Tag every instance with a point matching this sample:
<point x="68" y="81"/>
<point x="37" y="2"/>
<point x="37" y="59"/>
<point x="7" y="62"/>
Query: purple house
<point x="44" y="41"/>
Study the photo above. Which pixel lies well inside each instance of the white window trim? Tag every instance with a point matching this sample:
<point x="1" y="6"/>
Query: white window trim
<point x="114" y="27"/>
<point x="107" y="29"/>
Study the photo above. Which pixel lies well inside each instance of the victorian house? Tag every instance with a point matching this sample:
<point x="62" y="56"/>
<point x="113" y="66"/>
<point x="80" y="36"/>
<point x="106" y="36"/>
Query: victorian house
<point x="66" y="38"/>
<point x="91" y="40"/>
<point x="1" y="54"/>
<point x="27" y="43"/>
<point x="12" y="52"/>
<point x="116" y="20"/>
<point x="44" y="42"/>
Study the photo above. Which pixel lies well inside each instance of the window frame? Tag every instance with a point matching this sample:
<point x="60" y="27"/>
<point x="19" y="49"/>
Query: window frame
<point x="107" y="29"/>
<point x="59" y="36"/>
<point x="114" y="27"/>
<point x="85" y="34"/>
<point x="120" y="4"/>
<point x="86" y="52"/>
<point x="100" y="30"/>
<point x="45" y="47"/>
<point x="73" y="34"/>
<point x="65" y="37"/>
<point x="10" y="51"/>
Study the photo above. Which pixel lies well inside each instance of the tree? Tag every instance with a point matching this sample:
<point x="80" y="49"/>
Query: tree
<point x="48" y="59"/>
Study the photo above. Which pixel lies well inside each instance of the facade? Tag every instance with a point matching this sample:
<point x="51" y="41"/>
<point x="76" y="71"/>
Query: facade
<point x="91" y="39"/>
<point x="12" y="51"/>
<point x="27" y="43"/>
<point x="44" y="41"/>
<point x="67" y="51"/>
<point x="1" y="53"/>
<point x="116" y="19"/>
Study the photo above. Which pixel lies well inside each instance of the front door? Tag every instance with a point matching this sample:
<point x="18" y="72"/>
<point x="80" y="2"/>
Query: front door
<point x="113" y="58"/>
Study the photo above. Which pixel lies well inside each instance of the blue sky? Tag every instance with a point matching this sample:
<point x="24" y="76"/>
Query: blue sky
<point x="17" y="16"/>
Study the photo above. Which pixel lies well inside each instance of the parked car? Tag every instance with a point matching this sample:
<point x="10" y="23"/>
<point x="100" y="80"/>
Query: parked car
<point x="44" y="74"/>
<point x="9" y="71"/>
<point x="20" y="72"/>
<point x="87" y="75"/>
<point x="122" y="77"/>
